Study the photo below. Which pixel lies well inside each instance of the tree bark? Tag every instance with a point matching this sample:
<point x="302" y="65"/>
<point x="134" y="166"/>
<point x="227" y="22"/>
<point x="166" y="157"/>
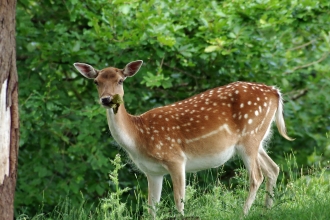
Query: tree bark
<point x="9" y="120"/>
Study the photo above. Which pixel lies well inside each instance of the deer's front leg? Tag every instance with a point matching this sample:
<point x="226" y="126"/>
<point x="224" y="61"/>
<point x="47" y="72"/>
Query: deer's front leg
<point x="178" y="176"/>
<point x="154" y="191"/>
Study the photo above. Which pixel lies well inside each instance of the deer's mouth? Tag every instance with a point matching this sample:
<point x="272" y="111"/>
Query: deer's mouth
<point x="112" y="102"/>
<point x="106" y="101"/>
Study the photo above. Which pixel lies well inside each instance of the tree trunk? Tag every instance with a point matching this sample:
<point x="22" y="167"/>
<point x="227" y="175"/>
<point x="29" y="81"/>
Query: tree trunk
<point x="9" y="121"/>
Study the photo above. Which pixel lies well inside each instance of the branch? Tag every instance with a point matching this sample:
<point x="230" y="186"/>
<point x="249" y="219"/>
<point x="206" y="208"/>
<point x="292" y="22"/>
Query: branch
<point x="294" y="95"/>
<point x="181" y="71"/>
<point x="302" y="46"/>
<point x="324" y="56"/>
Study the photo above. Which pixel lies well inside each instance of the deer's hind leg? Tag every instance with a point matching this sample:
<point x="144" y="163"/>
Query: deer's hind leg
<point x="249" y="154"/>
<point x="271" y="171"/>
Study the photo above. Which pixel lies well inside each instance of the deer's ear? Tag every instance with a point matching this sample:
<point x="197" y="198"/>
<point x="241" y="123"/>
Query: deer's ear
<point x="132" y="68"/>
<point x="86" y="70"/>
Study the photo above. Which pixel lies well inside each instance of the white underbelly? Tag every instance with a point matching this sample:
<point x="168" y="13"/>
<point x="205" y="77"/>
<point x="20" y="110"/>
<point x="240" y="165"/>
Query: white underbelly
<point x="196" y="163"/>
<point x="193" y="163"/>
<point x="149" y="167"/>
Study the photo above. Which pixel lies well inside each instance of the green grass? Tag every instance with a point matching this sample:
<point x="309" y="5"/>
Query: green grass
<point x="299" y="196"/>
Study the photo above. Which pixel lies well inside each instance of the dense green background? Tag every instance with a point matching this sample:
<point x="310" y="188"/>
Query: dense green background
<point x="187" y="47"/>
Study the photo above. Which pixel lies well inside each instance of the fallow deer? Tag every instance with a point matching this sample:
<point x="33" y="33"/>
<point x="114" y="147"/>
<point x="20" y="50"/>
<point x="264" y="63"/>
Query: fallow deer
<point x="200" y="132"/>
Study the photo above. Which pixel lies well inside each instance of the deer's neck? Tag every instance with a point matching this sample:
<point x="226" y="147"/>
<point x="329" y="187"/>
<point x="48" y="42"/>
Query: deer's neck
<point x="122" y="128"/>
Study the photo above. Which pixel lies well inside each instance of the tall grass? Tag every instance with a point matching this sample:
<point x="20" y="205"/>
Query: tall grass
<point x="299" y="195"/>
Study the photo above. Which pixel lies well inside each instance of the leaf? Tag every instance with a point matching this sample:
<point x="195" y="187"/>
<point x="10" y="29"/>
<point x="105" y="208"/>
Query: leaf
<point x="115" y="102"/>
<point x="117" y="99"/>
<point x="76" y="46"/>
<point x="125" y="9"/>
<point x="95" y="24"/>
<point x="285" y="82"/>
<point x="232" y="35"/>
<point x="211" y="48"/>
<point x="31" y="46"/>
<point x="166" y="40"/>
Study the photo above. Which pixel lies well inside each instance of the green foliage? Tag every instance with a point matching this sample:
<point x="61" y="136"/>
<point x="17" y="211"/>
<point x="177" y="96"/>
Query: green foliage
<point x="112" y="207"/>
<point x="187" y="47"/>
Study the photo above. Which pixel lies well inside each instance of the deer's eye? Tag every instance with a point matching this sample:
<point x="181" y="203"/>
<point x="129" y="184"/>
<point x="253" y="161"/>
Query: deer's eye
<point x="120" y="82"/>
<point x="96" y="83"/>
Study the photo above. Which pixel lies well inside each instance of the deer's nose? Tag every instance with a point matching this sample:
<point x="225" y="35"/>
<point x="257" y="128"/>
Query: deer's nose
<point x="106" y="100"/>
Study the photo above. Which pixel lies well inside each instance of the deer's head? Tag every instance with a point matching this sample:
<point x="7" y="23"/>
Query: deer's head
<point x="109" y="81"/>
